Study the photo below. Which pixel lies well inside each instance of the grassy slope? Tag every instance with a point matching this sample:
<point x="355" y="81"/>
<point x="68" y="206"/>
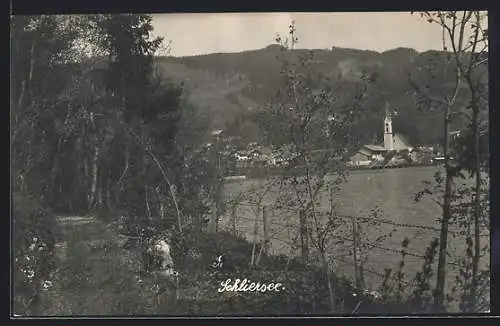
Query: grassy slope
<point x="221" y="95"/>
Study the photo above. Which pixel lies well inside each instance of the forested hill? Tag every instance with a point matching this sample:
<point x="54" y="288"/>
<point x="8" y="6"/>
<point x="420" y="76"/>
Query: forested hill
<point x="229" y="85"/>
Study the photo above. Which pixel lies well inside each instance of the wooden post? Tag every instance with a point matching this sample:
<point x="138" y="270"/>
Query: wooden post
<point x="212" y="228"/>
<point x="304" y="245"/>
<point x="359" y="243"/>
<point x="355" y="253"/>
<point x="252" y="260"/>
<point x="266" y="229"/>
<point x="233" y="217"/>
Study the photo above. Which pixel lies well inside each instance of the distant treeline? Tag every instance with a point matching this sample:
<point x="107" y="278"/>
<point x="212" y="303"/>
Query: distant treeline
<point x="393" y="74"/>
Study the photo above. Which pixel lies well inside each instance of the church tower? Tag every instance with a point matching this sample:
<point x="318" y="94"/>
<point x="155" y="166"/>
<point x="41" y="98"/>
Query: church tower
<point x="388" y="136"/>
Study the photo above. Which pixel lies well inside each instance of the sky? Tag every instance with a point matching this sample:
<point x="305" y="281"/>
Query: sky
<point x="202" y="33"/>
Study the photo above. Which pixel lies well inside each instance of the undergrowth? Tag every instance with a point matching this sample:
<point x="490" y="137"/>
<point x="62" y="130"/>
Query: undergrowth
<point x="103" y="278"/>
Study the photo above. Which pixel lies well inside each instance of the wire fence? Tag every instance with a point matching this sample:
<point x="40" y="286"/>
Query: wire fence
<point x="377" y="220"/>
<point x="281" y="228"/>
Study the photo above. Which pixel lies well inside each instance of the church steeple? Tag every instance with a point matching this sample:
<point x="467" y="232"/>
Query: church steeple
<point x="388" y="135"/>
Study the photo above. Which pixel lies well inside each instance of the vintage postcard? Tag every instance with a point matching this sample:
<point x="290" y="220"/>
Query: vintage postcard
<point x="250" y="164"/>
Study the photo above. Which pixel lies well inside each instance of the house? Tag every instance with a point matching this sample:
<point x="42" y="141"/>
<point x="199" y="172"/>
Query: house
<point x="264" y="156"/>
<point x="284" y="154"/>
<point x="242" y="156"/>
<point x="216" y="135"/>
<point x="374" y="152"/>
<point x="455" y="134"/>
<point x="217" y="132"/>
<point x="213" y="137"/>
<point x="367" y="154"/>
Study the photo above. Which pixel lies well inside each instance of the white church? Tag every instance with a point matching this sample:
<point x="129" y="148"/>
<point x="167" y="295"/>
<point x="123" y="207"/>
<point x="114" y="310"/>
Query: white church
<point x="367" y="154"/>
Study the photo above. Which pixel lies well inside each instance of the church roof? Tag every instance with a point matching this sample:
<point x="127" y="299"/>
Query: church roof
<point x="375" y="148"/>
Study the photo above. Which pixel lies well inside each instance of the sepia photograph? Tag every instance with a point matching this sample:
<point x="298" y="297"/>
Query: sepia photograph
<point x="238" y="164"/>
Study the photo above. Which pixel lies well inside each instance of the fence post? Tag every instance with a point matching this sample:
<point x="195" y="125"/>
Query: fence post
<point x="266" y="229"/>
<point x="304" y="241"/>
<point x="212" y="228"/>
<point x="359" y="243"/>
<point x="358" y="263"/>
<point x="252" y="260"/>
<point x="355" y="252"/>
<point x="233" y="217"/>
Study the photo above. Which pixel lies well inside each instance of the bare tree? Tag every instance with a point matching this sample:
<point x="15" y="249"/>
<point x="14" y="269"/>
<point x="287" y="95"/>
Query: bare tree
<point x="319" y="133"/>
<point x="465" y="44"/>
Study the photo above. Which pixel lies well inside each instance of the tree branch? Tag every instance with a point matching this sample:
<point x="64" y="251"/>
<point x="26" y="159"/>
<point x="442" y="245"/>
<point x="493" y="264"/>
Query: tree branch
<point x="164" y="174"/>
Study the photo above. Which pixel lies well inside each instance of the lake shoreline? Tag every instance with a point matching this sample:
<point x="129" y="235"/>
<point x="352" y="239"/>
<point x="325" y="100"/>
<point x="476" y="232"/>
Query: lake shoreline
<point x="363" y="170"/>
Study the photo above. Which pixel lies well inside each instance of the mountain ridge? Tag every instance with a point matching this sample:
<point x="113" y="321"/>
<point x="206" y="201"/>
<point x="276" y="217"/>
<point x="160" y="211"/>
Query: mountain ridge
<point x="229" y="85"/>
<point x="277" y="47"/>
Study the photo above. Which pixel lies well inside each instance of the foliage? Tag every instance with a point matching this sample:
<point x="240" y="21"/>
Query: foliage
<point x="315" y="130"/>
<point x="92" y="133"/>
<point x="304" y="290"/>
<point x="106" y="127"/>
<point x="34" y="236"/>
<point x="422" y="294"/>
<point x="466" y="56"/>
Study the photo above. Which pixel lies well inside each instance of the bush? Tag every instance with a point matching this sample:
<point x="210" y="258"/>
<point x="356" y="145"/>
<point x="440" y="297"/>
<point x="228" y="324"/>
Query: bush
<point x="34" y="239"/>
<point x="305" y="286"/>
<point x="107" y="281"/>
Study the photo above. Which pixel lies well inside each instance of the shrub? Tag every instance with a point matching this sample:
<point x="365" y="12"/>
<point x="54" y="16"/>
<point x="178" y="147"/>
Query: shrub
<point x="34" y="239"/>
<point x="305" y="291"/>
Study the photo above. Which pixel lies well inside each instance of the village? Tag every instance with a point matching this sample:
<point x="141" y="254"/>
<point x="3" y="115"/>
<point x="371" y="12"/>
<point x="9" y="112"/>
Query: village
<point x="395" y="152"/>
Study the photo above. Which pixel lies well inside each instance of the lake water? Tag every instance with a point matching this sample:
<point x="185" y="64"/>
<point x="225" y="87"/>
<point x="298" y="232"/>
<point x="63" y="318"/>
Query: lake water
<point x="392" y="191"/>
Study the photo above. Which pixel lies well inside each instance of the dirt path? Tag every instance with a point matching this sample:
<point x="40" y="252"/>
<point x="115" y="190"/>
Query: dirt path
<point x="87" y="252"/>
<point x="96" y="275"/>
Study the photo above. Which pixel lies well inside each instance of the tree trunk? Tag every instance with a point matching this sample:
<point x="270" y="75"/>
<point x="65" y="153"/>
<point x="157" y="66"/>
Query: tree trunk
<point x="443" y="238"/>
<point x="304" y="236"/>
<point x="265" y="224"/>
<point x="146" y="197"/>
<point x="327" y="273"/>
<point x="477" y="204"/>
<point x="255" y="231"/>
<point x="355" y="255"/>
<point x="119" y="184"/>
<point x="100" y="184"/>
<point x="108" y="190"/>
<point x="95" y="171"/>
<point x="29" y="78"/>
<point x="86" y="173"/>
<point x="161" y="204"/>
<point x="95" y="167"/>
<point x="165" y="178"/>
<point x="54" y="172"/>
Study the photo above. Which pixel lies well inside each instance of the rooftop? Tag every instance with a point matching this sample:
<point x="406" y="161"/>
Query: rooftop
<point x="376" y="148"/>
<point x="217" y="132"/>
